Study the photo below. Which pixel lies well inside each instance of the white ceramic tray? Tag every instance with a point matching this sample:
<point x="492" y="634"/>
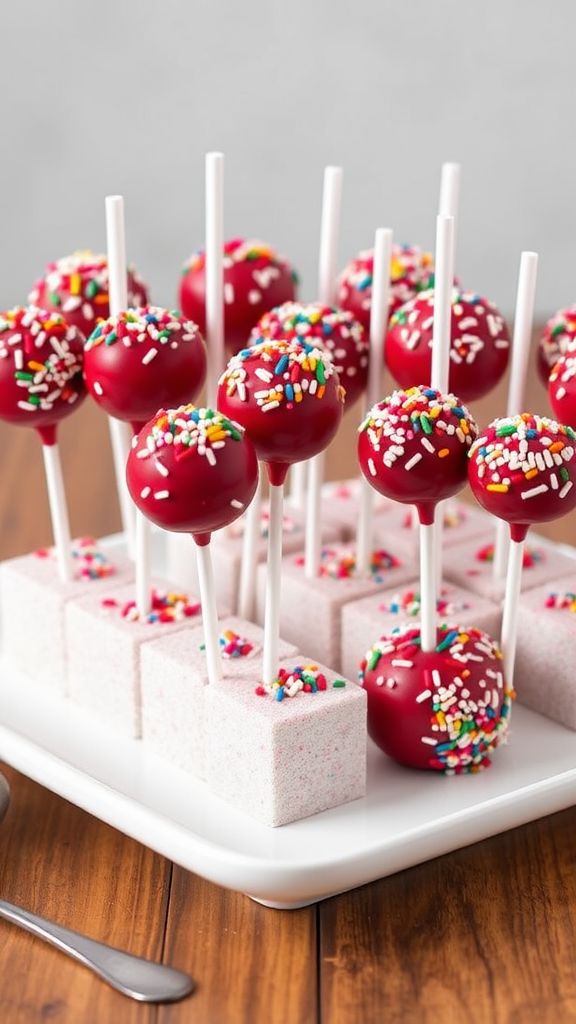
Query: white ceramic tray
<point x="406" y="817"/>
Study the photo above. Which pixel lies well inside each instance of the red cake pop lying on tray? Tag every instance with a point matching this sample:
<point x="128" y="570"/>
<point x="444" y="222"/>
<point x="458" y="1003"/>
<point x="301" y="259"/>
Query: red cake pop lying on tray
<point x="77" y="286"/>
<point x="288" y="397"/>
<point x="562" y="389"/>
<point x="194" y="471"/>
<point x="41" y="382"/>
<point x="558" y="339"/>
<point x="255" y="280"/>
<point x="479" y="346"/>
<point x="445" y="709"/>
<point x="411" y="271"/>
<point x="322" y="326"/>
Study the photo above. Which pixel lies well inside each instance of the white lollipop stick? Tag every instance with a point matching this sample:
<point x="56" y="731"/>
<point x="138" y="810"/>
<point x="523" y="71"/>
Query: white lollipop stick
<point x="58" y="510"/>
<point x="209" y="612"/>
<point x="214" y="272"/>
<point x="273" y="585"/>
<point x="511" y="609"/>
<point x="329" y="239"/>
<point x="378" y="324"/>
<point x="430" y="551"/>
<point x="449" y="190"/>
<point x="522" y="338"/>
<point x="298" y="475"/>
<point x="249" y="565"/>
<point x="120" y="433"/>
<point x="143" y="574"/>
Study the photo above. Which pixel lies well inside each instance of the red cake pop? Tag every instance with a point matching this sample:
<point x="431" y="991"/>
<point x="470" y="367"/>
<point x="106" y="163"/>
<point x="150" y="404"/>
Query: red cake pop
<point x="77" y="287"/>
<point x="192" y="471"/>
<point x="444" y="710"/>
<point x="559" y="338"/>
<point x="411" y="271"/>
<point x="255" y="280"/>
<point x="413" y="447"/>
<point x="142" y="359"/>
<point x="479" y="345"/>
<point x="323" y="326"/>
<point x="562" y="389"/>
<point x="288" y="397"/>
<point x="522" y="469"/>
<point x="41" y="379"/>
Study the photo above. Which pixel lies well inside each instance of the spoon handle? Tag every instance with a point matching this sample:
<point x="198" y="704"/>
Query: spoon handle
<point x="135" y="977"/>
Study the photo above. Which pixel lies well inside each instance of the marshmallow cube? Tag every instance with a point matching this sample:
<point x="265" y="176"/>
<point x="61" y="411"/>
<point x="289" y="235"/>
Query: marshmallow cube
<point x="462" y="522"/>
<point x="104" y="656"/>
<point x="340" y="506"/>
<point x="280" y="761"/>
<point x="33" y="601"/>
<point x="311" y="609"/>
<point x="366" y="621"/>
<point x="544" y="677"/>
<point x="463" y="564"/>
<point x="173" y="682"/>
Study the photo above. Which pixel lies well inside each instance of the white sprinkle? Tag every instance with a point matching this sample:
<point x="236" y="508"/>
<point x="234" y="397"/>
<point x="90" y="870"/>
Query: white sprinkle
<point x="211" y="458"/>
<point x="567" y="487"/>
<point x="145" y="492"/>
<point x="428" y="739"/>
<point x="144" y="453"/>
<point x="427" y="445"/>
<point x="534" y="491"/>
<point x="371" y="467"/>
<point x="18" y="358"/>
<point x="236" y="504"/>
<point x="423" y="696"/>
<point x="560" y="393"/>
<point x="554" y="481"/>
<point x="98" y="388"/>
<point x="161" y="469"/>
<point x="254" y="296"/>
<point x="150" y="355"/>
<point x="161" y="495"/>
<point x="269" y="405"/>
<point x="413" y="461"/>
<point x="436" y="678"/>
<point x="228" y="294"/>
<point x="402" y="663"/>
<point x="263" y="374"/>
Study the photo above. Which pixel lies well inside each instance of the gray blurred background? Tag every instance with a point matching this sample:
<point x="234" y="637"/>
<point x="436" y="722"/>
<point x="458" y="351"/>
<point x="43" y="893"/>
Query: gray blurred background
<point x="127" y="97"/>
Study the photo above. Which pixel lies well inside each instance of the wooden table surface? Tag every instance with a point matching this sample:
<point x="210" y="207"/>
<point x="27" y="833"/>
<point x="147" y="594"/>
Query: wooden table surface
<point x="486" y="935"/>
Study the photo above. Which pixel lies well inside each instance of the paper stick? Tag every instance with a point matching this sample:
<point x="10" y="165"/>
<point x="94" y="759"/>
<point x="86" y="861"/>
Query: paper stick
<point x="214" y="272"/>
<point x="273" y="582"/>
<point x="298" y="478"/>
<point x="143" y="573"/>
<point x="450" y="191"/>
<point x="378" y="325"/>
<point x="511" y="609"/>
<point x="58" y="510"/>
<point x="327" y="262"/>
<point x="428" y="587"/>
<point x="521" y="341"/>
<point x="120" y="433"/>
<point x="209" y="612"/>
<point x="249" y="564"/>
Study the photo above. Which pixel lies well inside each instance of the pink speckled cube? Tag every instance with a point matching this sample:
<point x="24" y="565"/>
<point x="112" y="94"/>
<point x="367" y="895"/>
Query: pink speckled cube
<point x="340" y="506"/>
<point x="280" y="761"/>
<point x="365" y="621"/>
<point x="32" y="613"/>
<point x="311" y="609"/>
<point x="466" y="565"/>
<point x="462" y="522"/>
<point x="104" y="651"/>
<point x="173" y="681"/>
<point x="226" y="548"/>
<point x="544" y="678"/>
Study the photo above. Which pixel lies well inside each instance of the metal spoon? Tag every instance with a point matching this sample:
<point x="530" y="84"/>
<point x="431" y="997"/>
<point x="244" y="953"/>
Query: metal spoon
<point x="135" y="977"/>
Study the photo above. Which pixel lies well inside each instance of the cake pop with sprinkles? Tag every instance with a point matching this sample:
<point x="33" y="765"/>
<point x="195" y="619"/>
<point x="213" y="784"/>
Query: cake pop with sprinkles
<point x="444" y="710"/>
<point x="77" y="286"/>
<point x="335" y="329"/>
<point x="562" y="389"/>
<point x="192" y="471"/>
<point x="411" y="271"/>
<point x="413" y="447"/>
<point x="143" y="359"/>
<point x="479" y="343"/>
<point x="41" y="358"/>
<point x="256" y="279"/>
<point x="558" y="339"/>
<point x="522" y="469"/>
<point x="288" y="396"/>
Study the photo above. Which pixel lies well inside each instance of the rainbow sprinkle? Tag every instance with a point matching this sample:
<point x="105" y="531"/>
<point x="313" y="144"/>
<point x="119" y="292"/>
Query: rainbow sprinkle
<point x="79" y="283"/>
<point x="559" y="336"/>
<point x="90" y="561"/>
<point x="167" y="607"/>
<point x="46" y="378"/>
<point x="530" y="557"/>
<point x="239" y="250"/>
<point x="289" y="373"/>
<point x="410" y="272"/>
<point x="341" y="565"/>
<point x="565" y="601"/>
<point x="408" y="603"/>
<point x="148" y="323"/>
<point x="191" y="431"/>
<point x="319" y="325"/>
<point x="300" y="679"/>
<point x="475" y="323"/>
